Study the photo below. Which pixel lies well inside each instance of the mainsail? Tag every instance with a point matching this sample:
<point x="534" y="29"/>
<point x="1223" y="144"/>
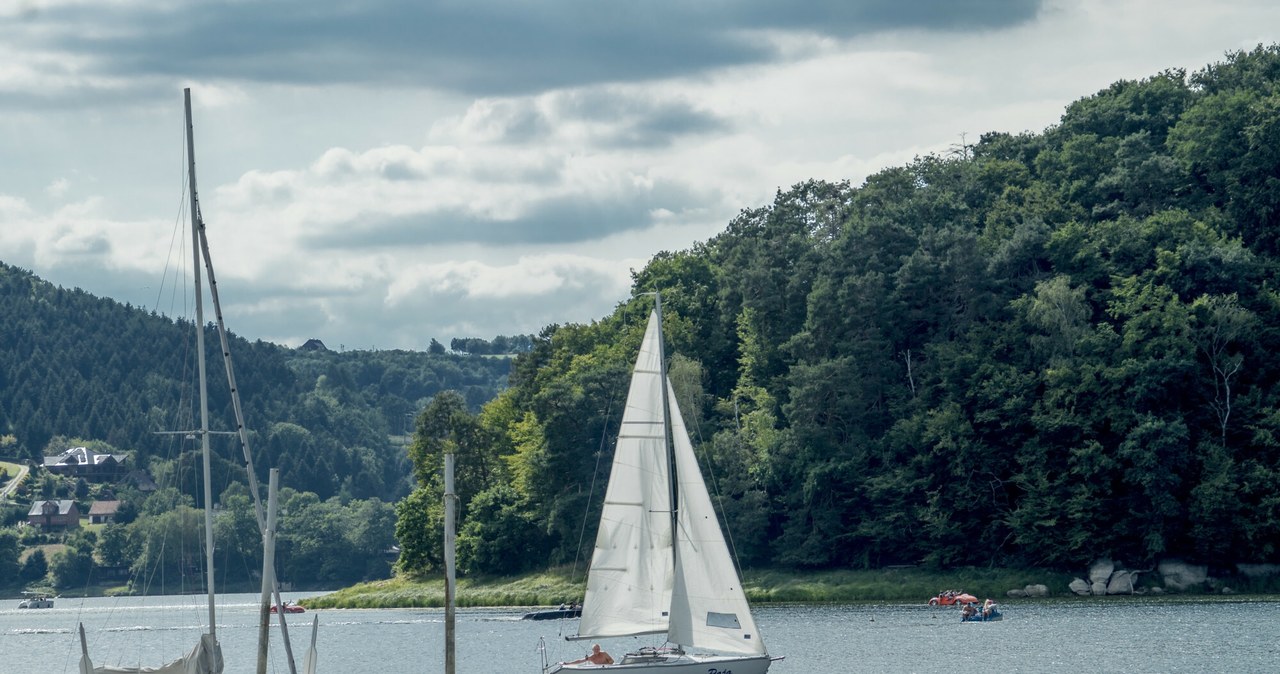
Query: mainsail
<point x="629" y="584"/>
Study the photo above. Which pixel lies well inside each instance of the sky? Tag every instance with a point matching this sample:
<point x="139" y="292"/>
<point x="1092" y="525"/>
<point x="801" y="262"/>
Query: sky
<point x="379" y="173"/>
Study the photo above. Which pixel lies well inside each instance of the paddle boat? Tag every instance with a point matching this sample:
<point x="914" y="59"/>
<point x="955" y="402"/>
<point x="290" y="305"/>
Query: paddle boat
<point x="972" y="613"/>
<point x="953" y="597"/>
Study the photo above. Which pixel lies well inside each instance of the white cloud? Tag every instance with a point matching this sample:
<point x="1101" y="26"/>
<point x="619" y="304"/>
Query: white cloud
<point x="58" y="188"/>
<point x="365" y="211"/>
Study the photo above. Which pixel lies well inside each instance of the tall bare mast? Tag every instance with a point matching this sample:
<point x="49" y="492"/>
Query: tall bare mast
<point x="666" y="426"/>
<point x="200" y="245"/>
<point x="204" y="395"/>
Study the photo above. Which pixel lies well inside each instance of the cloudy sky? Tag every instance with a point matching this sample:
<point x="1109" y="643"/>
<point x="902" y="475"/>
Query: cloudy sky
<point x="382" y="172"/>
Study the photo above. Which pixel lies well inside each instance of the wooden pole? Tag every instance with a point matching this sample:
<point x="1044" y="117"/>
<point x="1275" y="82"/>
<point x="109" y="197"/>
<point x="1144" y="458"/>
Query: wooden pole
<point x="268" y="572"/>
<point x="450" y="513"/>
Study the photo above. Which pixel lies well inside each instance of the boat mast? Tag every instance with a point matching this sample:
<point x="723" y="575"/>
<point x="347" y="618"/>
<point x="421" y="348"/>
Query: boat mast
<point x="668" y="445"/>
<point x="204" y="395"/>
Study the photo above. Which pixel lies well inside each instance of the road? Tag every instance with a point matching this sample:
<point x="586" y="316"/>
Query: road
<point x="12" y="485"/>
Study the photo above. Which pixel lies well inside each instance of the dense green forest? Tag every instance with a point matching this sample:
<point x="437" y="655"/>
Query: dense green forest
<point x="75" y="365"/>
<point x="1035" y="350"/>
<point x="76" y="370"/>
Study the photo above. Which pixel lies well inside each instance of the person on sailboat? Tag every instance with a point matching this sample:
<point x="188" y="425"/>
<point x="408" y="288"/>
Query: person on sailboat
<point x="595" y="657"/>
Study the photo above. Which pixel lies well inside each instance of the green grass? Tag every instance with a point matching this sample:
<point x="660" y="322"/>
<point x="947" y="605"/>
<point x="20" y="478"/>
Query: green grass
<point x="909" y="584"/>
<point x="543" y="589"/>
<point x="762" y="587"/>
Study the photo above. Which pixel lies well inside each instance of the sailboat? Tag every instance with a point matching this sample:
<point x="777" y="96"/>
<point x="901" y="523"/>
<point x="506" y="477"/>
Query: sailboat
<point x="205" y="657"/>
<point x="661" y="564"/>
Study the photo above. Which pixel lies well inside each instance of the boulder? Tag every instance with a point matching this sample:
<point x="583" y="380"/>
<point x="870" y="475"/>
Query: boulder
<point x="1100" y="571"/>
<point x="1258" y="570"/>
<point x="1037" y="590"/>
<point x="1121" y="582"/>
<point x="1079" y="586"/>
<point x="1016" y="593"/>
<point x="1098" y="589"/>
<point x="1179" y="575"/>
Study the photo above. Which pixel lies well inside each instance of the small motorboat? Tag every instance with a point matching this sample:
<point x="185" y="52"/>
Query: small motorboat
<point x="554" y="613"/>
<point x="290" y="607"/>
<point x="36" y="602"/>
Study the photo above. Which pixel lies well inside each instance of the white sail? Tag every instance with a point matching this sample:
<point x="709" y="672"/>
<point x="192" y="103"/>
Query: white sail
<point x="629" y="584"/>
<point x="708" y="607"/>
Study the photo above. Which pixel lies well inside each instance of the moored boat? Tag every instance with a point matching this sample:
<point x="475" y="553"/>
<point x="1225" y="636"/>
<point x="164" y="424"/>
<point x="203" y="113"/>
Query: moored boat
<point x="553" y="614"/>
<point x="36" y="602"/>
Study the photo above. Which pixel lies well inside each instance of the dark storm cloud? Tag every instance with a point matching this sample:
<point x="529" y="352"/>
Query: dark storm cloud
<point x="566" y="219"/>
<point x="615" y="119"/>
<point x="480" y="47"/>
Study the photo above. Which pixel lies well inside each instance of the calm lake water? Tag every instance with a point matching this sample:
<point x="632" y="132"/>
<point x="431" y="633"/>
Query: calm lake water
<point x="1126" y="635"/>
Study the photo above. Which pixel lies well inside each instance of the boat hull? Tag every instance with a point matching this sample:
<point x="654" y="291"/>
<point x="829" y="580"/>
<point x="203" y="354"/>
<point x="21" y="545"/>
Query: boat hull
<point x="677" y="664"/>
<point x="979" y="618"/>
<point x="553" y="614"/>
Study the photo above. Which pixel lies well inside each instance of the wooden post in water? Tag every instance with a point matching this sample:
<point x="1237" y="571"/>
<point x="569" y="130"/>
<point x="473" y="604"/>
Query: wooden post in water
<point x="268" y="571"/>
<point x="450" y="512"/>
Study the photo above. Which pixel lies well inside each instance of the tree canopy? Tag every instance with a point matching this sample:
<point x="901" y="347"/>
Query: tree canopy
<point x="1036" y="350"/>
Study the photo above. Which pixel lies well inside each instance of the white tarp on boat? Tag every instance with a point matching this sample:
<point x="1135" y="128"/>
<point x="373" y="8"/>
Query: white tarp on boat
<point x="205" y="658"/>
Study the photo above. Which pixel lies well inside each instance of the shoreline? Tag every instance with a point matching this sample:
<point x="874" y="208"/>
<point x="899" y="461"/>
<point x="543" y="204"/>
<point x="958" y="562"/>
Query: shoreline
<point x="909" y="585"/>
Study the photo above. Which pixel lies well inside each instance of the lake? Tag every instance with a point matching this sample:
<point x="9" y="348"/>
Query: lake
<point x="1123" y="635"/>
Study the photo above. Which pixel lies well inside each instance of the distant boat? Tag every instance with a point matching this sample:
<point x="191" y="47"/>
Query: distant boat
<point x="553" y="614"/>
<point x="36" y="602"/>
<point x="952" y="598"/>
<point x="661" y="564"/>
<point x="289" y="607"/>
<point x="988" y="612"/>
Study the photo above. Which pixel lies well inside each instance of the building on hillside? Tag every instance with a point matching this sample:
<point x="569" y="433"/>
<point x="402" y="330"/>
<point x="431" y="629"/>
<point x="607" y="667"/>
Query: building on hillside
<point x="103" y="512"/>
<point x="313" y="345"/>
<point x="86" y="463"/>
<point x="140" y="480"/>
<point x="54" y="515"/>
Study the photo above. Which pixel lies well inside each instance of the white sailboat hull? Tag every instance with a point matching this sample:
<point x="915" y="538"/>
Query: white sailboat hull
<point x="677" y="664"/>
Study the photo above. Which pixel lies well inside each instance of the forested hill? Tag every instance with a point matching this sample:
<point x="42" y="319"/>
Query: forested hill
<point x="1038" y="349"/>
<point x="76" y="366"/>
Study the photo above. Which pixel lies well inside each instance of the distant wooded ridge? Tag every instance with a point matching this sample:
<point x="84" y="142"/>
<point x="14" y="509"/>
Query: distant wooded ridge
<point x="78" y="366"/>
<point x="498" y="345"/>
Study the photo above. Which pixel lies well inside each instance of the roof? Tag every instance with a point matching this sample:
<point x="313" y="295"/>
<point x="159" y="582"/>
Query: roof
<point x="104" y="508"/>
<point x="64" y="507"/>
<point x="82" y="455"/>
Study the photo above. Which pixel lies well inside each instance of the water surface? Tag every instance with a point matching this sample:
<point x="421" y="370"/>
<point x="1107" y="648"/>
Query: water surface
<point x="1124" y="636"/>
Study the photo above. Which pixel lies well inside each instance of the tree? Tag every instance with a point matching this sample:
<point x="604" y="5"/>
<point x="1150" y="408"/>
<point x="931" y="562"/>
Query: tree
<point x="9" y="550"/>
<point x="74" y="565"/>
<point x="1221" y="324"/>
<point x="497" y="523"/>
<point x="116" y="546"/>
<point x="34" y="568"/>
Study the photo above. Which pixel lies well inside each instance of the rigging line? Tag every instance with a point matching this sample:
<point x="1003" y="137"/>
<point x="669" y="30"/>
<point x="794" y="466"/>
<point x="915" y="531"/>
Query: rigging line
<point x="178" y="228"/>
<point x="711" y="472"/>
<point x="715" y="484"/>
<point x="604" y="435"/>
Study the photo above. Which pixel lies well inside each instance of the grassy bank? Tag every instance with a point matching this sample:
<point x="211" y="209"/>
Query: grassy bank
<point x="762" y="586"/>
